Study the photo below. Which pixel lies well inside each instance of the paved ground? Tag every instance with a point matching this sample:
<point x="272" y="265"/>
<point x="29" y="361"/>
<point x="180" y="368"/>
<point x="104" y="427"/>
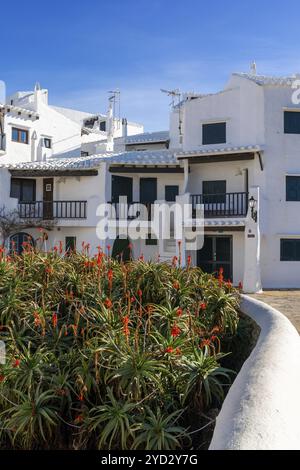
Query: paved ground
<point x="286" y="301"/>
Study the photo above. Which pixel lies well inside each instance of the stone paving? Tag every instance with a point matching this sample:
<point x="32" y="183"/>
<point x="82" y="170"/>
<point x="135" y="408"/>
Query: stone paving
<point x="286" y="301"/>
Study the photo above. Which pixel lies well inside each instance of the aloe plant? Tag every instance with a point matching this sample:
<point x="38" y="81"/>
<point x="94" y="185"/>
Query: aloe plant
<point x="102" y="354"/>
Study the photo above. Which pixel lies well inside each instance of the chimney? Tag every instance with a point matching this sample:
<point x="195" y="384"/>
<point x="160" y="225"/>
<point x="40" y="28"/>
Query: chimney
<point x="110" y="126"/>
<point x="124" y="127"/>
<point x="253" y="69"/>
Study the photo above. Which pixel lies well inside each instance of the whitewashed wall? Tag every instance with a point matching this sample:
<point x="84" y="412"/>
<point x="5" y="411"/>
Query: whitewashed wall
<point x="261" y="409"/>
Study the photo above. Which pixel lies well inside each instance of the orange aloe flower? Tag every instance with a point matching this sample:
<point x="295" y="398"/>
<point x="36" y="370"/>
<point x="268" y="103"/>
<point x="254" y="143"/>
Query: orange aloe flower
<point x="175" y="330"/>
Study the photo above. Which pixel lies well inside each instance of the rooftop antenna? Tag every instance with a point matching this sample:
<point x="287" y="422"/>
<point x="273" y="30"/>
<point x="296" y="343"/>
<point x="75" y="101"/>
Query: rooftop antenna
<point x="175" y="95"/>
<point x="253" y="68"/>
<point x="115" y="99"/>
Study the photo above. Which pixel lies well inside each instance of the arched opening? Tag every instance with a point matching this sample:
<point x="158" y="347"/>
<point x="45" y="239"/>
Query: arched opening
<point x="16" y="242"/>
<point x="121" y="249"/>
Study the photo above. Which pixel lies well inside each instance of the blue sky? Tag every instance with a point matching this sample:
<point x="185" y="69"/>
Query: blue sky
<point x="81" y="49"/>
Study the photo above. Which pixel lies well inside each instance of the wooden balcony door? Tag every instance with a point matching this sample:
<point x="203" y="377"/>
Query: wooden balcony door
<point x="121" y="186"/>
<point x="48" y="198"/>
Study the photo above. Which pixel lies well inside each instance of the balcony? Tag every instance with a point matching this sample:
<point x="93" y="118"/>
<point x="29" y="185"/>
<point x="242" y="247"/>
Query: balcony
<point x="221" y="205"/>
<point x="132" y="211"/>
<point x="48" y="210"/>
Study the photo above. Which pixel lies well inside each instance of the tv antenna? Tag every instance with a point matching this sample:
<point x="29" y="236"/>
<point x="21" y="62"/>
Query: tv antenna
<point x="173" y="93"/>
<point x="115" y="99"/>
<point x="176" y="95"/>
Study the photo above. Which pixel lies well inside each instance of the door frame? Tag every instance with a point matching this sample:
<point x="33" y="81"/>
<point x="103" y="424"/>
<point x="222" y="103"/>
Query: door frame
<point x="214" y="262"/>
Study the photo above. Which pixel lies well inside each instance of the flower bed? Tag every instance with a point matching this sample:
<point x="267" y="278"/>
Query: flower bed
<point x="101" y="354"/>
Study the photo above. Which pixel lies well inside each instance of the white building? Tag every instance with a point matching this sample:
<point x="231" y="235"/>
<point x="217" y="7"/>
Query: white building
<point x="222" y="150"/>
<point x="46" y="131"/>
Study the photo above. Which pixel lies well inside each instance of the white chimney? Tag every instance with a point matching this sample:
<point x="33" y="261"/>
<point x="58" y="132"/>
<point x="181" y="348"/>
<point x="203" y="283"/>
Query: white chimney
<point x="40" y="96"/>
<point x="110" y="126"/>
<point x="124" y="127"/>
<point x="253" y="68"/>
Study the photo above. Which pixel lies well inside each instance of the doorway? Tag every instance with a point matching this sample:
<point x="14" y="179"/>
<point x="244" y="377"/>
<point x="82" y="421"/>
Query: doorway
<point x="216" y="253"/>
<point x="121" y="249"/>
<point x="48" y="198"/>
<point x="121" y="186"/>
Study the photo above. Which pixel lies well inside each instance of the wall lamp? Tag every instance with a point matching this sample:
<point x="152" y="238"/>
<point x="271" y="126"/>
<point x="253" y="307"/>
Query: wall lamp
<point x="252" y="205"/>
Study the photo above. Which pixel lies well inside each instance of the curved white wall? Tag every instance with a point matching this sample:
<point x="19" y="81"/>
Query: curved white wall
<point x="262" y="410"/>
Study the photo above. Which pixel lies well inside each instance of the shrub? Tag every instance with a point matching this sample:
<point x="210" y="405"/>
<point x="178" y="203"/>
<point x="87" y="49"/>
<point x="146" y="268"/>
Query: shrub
<point x="106" y="354"/>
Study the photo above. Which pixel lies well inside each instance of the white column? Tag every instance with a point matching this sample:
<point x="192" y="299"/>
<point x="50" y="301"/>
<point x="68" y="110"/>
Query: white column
<point x="186" y="175"/>
<point x="252" y="276"/>
<point x="110" y="127"/>
<point x="180" y="231"/>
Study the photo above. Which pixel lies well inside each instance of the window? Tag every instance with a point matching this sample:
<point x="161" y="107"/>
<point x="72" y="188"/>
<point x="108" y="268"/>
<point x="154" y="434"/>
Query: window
<point x="19" y="135"/>
<point x="23" y="189"/>
<point x="171" y="192"/>
<point x="291" y="122"/>
<point x="293" y="188"/>
<point x="47" y="143"/>
<point x="150" y="240"/>
<point x="290" y="249"/>
<point x="214" y="191"/>
<point x="84" y="154"/>
<point x="70" y="244"/>
<point x="214" y="133"/>
<point x="103" y="126"/>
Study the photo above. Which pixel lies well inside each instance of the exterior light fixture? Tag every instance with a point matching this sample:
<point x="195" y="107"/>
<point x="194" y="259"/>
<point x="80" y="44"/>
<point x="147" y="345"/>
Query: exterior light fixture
<point x="252" y="205"/>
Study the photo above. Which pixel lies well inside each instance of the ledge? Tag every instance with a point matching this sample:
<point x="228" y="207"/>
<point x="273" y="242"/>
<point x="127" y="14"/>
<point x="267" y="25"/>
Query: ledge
<point x="262" y="410"/>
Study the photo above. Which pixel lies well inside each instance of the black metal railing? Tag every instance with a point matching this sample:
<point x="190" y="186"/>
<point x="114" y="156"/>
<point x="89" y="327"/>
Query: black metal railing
<point x="222" y="205"/>
<point x="53" y="210"/>
<point x="133" y="210"/>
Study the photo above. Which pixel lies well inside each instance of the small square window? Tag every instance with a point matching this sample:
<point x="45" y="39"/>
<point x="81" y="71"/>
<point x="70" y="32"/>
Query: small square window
<point x="214" y="133"/>
<point x="293" y="188"/>
<point x="290" y="249"/>
<point x="47" y="143"/>
<point x="292" y="122"/>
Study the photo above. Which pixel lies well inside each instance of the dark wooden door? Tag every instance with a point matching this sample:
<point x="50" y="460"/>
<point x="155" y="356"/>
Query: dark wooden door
<point x="148" y="193"/>
<point x="121" y="186"/>
<point x="171" y="192"/>
<point x="216" y="253"/>
<point x="121" y="249"/>
<point x="148" y="190"/>
<point x="48" y="198"/>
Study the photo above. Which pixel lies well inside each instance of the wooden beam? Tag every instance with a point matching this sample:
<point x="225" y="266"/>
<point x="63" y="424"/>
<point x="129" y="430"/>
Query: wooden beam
<point x="260" y="161"/>
<point x="224" y="228"/>
<point x="36" y="173"/>
<point x="145" y="169"/>
<point x="228" y="157"/>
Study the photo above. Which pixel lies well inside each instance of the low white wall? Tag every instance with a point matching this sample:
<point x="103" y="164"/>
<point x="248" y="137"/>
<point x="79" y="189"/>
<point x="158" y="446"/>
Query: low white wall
<point x="262" y="410"/>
